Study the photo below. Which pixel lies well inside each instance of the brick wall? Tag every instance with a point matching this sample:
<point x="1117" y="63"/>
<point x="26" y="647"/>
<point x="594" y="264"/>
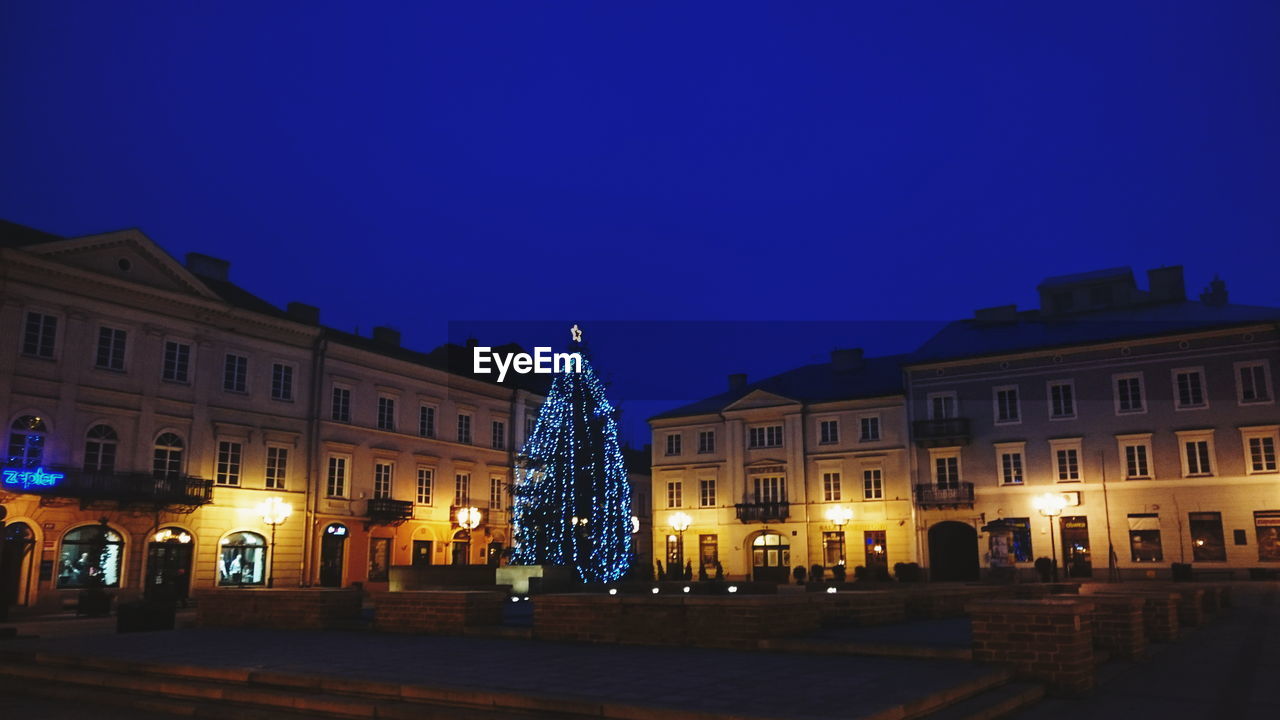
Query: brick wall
<point x="440" y="612"/>
<point x="1119" y="626"/>
<point x="860" y="608"/>
<point x="1049" y="640"/>
<point x="311" y="609"/>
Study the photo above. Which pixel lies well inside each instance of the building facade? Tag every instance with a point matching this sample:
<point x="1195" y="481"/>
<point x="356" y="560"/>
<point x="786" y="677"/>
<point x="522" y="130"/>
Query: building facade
<point x="152" y="408"/>
<point x="807" y="467"/>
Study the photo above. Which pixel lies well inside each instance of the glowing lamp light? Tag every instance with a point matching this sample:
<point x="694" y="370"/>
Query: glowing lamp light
<point x="469" y="518"/>
<point x="613" y="591"/>
<point x="839" y="515"/>
<point x="635" y="524"/>
<point x="832" y="591"/>
<point x="733" y="588"/>
<point x="680" y="522"/>
<point x="274" y="511"/>
<point x="686" y="588"/>
<point x="654" y="591"/>
<point x="1049" y="504"/>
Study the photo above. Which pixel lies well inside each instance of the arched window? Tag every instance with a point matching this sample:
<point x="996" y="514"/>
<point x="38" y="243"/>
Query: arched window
<point x="167" y="461"/>
<point x="90" y="556"/>
<point x="26" y="442"/>
<point x="243" y="559"/>
<point x="100" y="449"/>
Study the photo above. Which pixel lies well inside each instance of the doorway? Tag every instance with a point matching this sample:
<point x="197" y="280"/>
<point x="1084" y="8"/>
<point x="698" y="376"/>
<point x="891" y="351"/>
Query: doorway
<point x="461" y="548"/>
<point x="169" y="558"/>
<point x="333" y="551"/>
<point x="1076" y="557"/>
<point x="422" y="553"/>
<point x="16" y="546"/>
<point x="771" y="558"/>
<point x="953" y="552"/>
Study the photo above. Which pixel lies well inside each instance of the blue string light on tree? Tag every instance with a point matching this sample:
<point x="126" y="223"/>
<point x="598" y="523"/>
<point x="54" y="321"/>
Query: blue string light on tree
<point x="572" y="502"/>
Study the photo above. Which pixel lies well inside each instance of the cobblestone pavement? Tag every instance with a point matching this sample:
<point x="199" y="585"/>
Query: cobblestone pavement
<point x="1229" y="669"/>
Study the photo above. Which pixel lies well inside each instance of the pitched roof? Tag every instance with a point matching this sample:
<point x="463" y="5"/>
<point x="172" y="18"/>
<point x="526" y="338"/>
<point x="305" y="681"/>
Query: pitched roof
<point x="1031" y="330"/>
<point x="14" y="235"/>
<point x="1092" y="275"/>
<point x="821" y="382"/>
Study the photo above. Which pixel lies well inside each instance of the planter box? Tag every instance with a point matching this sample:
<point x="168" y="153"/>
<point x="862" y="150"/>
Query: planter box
<point x="294" y="609"/>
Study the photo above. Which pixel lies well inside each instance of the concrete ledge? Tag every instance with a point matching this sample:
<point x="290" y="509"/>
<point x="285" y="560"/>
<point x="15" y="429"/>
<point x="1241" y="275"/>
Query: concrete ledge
<point x="292" y="609"/>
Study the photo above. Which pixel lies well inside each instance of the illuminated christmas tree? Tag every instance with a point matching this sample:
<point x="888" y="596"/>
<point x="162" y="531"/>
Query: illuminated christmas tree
<point x="572" y="503"/>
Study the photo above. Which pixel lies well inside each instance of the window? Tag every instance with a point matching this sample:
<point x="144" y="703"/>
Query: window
<point x="709" y="552"/>
<point x="336" y="485"/>
<point x="464" y="428"/>
<point x="425" y="476"/>
<point x="530" y="422"/>
<point x="1188" y="389"/>
<point x="1062" y="400"/>
<point x="1007" y="408"/>
<point x="831" y="486"/>
<point x="461" y="489"/>
<point x="1254" y="382"/>
<point x="111" y="342"/>
<point x="1144" y="538"/>
<point x="1021" y="549"/>
<point x="707" y="492"/>
<point x="235" y="373"/>
<point x="379" y="559"/>
<point x="382" y="473"/>
<point x="1129" y="394"/>
<point x="100" y="449"/>
<point x="876" y="548"/>
<point x="1260" y="448"/>
<point x="770" y="489"/>
<point x="1009" y="460"/>
<point x="946" y="471"/>
<point x="38" y="334"/>
<point x="1066" y="459"/>
<point x="707" y="441"/>
<point x="1267" y="525"/>
<point x="426" y="421"/>
<point x="166" y="458"/>
<point x="281" y="381"/>
<point x="765" y="437"/>
<point x="942" y="406"/>
<point x="26" y="442"/>
<point x="1197" y="453"/>
<point x="495" y="493"/>
<point x="277" y="468"/>
<point x="829" y="431"/>
<point x="1207" y="541"/>
<point x="177" y="361"/>
<point x="1135" y="453"/>
<point x="242" y="560"/>
<point x="673" y="444"/>
<point x="872" y="484"/>
<point x="90" y="555"/>
<point x="386" y="413"/>
<point x="833" y="548"/>
<point x="499" y="439"/>
<point x="228" y="470"/>
<point x="674" y="499"/>
<point x="870" y="428"/>
<point x="340" y="406"/>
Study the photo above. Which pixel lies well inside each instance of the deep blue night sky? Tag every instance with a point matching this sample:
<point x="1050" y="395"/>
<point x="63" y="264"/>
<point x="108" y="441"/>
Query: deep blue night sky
<point x="413" y="164"/>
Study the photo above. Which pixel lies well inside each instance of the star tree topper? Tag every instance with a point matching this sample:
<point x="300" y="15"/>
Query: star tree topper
<point x="576" y="333"/>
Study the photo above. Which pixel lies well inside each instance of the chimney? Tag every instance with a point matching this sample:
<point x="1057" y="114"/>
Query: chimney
<point x="846" y="359"/>
<point x="1166" y="284"/>
<point x="737" y="381"/>
<point x="386" y="336"/>
<point x="472" y="343"/>
<point x="303" y="313"/>
<point x="996" y="315"/>
<point x="209" y="266"/>
<point x="1216" y="294"/>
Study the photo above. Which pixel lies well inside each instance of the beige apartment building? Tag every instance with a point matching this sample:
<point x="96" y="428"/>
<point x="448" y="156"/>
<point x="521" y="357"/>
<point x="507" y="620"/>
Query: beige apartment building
<point x="1152" y="416"/>
<point x="807" y="467"/>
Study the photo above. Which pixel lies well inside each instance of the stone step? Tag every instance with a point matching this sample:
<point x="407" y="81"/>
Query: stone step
<point x="502" y="631"/>
<point x="927" y="706"/>
<point x="826" y="647"/>
<point x="994" y="703"/>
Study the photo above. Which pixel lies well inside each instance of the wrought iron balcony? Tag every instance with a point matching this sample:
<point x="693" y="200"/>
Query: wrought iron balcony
<point x="941" y="433"/>
<point x="386" y="511"/>
<point x="763" y="512"/>
<point x="945" y="496"/>
<point x="178" y="493"/>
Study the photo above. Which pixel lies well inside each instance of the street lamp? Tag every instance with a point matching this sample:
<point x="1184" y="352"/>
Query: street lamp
<point x="1051" y="505"/>
<point x="840" y="516"/>
<point x="680" y="522"/>
<point x="469" y="518"/>
<point x="274" y="512"/>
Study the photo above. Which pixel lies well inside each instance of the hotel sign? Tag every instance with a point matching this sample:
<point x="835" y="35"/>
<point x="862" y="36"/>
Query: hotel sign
<point x="26" y="479"/>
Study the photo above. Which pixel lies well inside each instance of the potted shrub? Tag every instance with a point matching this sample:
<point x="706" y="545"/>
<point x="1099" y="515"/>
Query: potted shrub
<point x="719" y="571"/>
<point x="838" y="573"/>
<point x="1044" y="567"/>
<point x="907" y="572"/>
<point x="799" y="574"/>
<point x="817" y="573"/>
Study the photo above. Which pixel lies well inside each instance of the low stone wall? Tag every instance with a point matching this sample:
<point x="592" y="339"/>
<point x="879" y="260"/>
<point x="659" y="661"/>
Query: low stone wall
<point x="701" y="621"/>
<point x="1159" y="609"/>
<point x="935" y="602"/>
<point x="1119" y="626"/>
<point x="1048" y="640"/>
<point x="860" y="608"/>
<point x="289" y="609"/>
<point x="439" y="612"/>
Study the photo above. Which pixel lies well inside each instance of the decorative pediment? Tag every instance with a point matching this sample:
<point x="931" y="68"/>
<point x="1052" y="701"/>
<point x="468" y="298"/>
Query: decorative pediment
<point x="126" y="255"/>
<point x="760" y="399"/>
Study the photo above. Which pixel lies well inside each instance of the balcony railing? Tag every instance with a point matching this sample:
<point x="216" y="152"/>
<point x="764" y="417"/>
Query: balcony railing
<point x="945" y="496"/>
<point x="941" y="433"/>
<point x="386" y="511"/>
<point x="178" y="493"/>
<point x="763" y="512"/>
